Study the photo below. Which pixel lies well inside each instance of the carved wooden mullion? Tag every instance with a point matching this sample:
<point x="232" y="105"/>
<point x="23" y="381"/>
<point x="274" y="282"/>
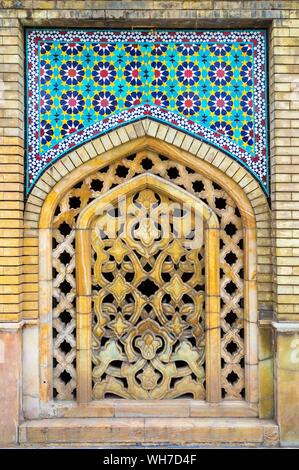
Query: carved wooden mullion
<point x="45" y="299"/>
<point x="251" y="314"/>
<point x="213" y="339"/>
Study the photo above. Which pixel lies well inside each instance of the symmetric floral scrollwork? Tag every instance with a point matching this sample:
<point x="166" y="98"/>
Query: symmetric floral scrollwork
<point x="148" y="291"/>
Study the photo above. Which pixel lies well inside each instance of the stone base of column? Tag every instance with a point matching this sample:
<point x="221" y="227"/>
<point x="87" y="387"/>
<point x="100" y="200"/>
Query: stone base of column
<point x="10" y="381"/>
<point x="287" y="382"/>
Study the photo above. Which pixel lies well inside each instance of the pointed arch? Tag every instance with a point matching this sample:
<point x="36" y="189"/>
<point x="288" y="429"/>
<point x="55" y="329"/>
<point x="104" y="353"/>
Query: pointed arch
<point x="141" y="143"/>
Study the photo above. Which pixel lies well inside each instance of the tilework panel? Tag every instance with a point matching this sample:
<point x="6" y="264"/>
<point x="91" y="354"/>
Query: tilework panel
<point x="82" y="83"/>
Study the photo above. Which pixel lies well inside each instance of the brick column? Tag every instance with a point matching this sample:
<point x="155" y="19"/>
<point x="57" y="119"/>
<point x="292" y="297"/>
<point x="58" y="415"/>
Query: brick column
<point x="284" y="115"/>
<point x="11" y="222"/>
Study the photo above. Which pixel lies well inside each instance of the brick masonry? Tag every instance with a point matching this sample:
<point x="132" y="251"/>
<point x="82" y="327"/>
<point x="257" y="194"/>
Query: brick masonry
<point x="278" y="266"/>
<point x="282" y="19"/>
<point x="17" y="277"/>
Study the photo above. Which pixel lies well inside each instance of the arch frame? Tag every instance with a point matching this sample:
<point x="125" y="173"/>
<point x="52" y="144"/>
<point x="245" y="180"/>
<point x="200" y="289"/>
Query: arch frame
<point x="248" y="408"/>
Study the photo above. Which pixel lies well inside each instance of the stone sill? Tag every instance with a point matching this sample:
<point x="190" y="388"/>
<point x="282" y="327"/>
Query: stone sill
<point x="231" y="431"/>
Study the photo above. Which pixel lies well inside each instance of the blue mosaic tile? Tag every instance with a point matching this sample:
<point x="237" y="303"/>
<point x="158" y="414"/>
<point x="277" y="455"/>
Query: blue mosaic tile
<point x="83" y="83"/>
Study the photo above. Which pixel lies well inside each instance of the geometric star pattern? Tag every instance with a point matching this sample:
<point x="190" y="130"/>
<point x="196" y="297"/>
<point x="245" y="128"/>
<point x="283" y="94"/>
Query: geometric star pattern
<point x="83" y="83"/>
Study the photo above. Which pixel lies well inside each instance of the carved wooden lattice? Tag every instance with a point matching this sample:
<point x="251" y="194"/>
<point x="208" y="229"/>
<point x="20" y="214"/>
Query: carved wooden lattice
<point x="148" y="286"/>
<point x="231" y="265"/>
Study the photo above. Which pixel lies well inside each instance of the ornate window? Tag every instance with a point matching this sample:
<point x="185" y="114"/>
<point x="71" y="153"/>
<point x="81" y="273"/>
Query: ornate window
<point x="167" y="321"/>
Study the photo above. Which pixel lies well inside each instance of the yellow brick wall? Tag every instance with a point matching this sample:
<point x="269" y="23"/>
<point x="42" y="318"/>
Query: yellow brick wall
<point x="278" y="244"/>
<point x="284" y="143"/>
<point x="278" y="238"/>
<point x="11" y="168"/>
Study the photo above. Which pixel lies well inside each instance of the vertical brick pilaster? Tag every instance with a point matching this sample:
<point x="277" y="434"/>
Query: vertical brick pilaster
<point x="284" y="117"/>
<point x="11" y="168"/>
<point x="284" y="114"/>
<point x="11" y="222"/>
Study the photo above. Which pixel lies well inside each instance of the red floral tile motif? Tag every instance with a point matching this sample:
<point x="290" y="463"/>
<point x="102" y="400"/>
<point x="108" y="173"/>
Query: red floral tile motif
<point x="210" y="84"/>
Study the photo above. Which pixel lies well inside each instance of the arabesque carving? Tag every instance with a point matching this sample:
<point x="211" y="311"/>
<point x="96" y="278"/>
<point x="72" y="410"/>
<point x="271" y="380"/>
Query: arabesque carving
<point x="148" y="294"/>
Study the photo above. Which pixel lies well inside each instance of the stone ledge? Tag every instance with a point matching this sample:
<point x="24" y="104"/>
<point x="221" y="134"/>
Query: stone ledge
<point x="286" y="326"/>
<point x="249" y="431"/>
